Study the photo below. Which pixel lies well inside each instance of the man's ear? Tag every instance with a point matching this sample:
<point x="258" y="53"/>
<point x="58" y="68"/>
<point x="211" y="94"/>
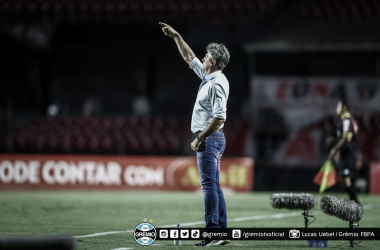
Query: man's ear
<point x="213" y="62"/>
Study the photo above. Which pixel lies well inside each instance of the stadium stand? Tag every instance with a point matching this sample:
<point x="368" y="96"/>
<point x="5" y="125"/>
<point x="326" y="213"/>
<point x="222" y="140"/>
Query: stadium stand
<point x="337" y="10"/>
<point x="176" y="11"/>
<point x="147" y="11"/>
<point x="108" y="135"/>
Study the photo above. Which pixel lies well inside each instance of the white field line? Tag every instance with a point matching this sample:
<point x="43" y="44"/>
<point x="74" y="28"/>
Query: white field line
<point x="123" y="248"/>
<point x="259" y="217"/>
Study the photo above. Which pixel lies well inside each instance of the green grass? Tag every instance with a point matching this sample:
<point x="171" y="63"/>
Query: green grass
<point x="81" y="213"/>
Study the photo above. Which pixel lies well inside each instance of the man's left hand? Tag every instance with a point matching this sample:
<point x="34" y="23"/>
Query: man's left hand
<point x="195" y="144"/>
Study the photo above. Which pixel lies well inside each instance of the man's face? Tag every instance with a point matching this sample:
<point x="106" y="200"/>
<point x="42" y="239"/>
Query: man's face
<point x="207" y="62"/>
<point x="339" y="108"/>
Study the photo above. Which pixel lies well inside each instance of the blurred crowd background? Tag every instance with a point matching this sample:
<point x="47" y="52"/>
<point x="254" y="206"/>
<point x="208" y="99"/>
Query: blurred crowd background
<point x="99" y="77"/>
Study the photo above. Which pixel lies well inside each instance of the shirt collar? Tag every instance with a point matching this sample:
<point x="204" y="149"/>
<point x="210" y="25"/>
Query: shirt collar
<point x="215" y="74"/>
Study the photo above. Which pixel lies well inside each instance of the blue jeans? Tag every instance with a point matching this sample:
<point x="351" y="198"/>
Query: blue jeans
<point x="208" y="158"/>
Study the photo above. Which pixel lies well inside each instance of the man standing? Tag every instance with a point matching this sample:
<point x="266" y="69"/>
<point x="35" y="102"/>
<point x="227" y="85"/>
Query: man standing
<point x="209" y="115"/>
<point x="347" y="149"/>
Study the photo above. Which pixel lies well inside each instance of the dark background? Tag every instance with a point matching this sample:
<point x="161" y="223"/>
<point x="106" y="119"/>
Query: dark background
<point x="99" y="77"/>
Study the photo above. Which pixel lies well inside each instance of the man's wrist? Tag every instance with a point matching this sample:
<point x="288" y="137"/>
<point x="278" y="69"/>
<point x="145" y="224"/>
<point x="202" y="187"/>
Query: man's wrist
<point x="177" y="37"/>
<point x="199" y="138"/>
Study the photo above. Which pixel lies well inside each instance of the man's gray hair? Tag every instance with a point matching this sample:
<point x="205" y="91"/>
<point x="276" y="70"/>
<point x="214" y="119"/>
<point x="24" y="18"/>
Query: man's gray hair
<point x="219" y="53"/>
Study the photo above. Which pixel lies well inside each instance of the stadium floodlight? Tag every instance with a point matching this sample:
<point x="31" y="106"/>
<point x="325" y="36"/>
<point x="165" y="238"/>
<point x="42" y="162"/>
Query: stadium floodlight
<point x="295" y="202"/>
<point x="347" y="210"/>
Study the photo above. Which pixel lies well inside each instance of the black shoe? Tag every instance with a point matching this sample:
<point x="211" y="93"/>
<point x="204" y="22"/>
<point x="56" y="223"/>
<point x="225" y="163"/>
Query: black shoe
<point x="204" y="243"/>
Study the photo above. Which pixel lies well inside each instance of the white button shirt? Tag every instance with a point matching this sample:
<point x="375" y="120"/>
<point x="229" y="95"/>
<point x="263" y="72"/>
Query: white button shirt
<point x="211" y="99"/>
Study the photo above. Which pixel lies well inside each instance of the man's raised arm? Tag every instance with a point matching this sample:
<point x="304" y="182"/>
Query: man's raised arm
<point x="186" y="52"/>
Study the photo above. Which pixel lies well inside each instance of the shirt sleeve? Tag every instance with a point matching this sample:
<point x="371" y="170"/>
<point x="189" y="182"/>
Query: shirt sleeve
<point x="196" y="66"/>
<point x="218" y="101"/>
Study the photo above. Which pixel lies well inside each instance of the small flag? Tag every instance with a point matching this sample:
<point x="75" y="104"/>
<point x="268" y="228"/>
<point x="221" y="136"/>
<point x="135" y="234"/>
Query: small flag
<point x="326" y="177"/>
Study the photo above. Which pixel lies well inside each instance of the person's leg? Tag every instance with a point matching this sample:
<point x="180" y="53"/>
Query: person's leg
<point x="345" y="181"/>
<point x="204" y="180"/>
<point x="347" y="184"/>
<point x="207" y="167"/>
<point x="222" y="213"/>
<point x="347" y="165"/>
<point x="220" y="144"/>
<point x="222" y="209"/>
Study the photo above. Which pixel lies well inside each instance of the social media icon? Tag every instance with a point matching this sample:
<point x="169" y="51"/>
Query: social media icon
<point x="184" y="233"/>
<point x="294" y="234"/>
<point x="173" y="233"/>
<point x="195" y="234"/>
<point x="236" y="233"/>
<point x="164" y="233"/>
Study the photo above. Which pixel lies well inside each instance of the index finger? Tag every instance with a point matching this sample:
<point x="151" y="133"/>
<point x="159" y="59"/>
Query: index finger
<point x="164" y="24"/>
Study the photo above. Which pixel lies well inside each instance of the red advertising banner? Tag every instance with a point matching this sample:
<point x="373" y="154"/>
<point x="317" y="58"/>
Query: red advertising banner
<point x="117" y="173"/>
<point x="374" y="178"/>
<point x="285" y="92"/>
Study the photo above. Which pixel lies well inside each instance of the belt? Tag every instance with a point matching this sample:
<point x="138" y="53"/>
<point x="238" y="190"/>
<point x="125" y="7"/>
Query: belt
<point x="198" y="132"/>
